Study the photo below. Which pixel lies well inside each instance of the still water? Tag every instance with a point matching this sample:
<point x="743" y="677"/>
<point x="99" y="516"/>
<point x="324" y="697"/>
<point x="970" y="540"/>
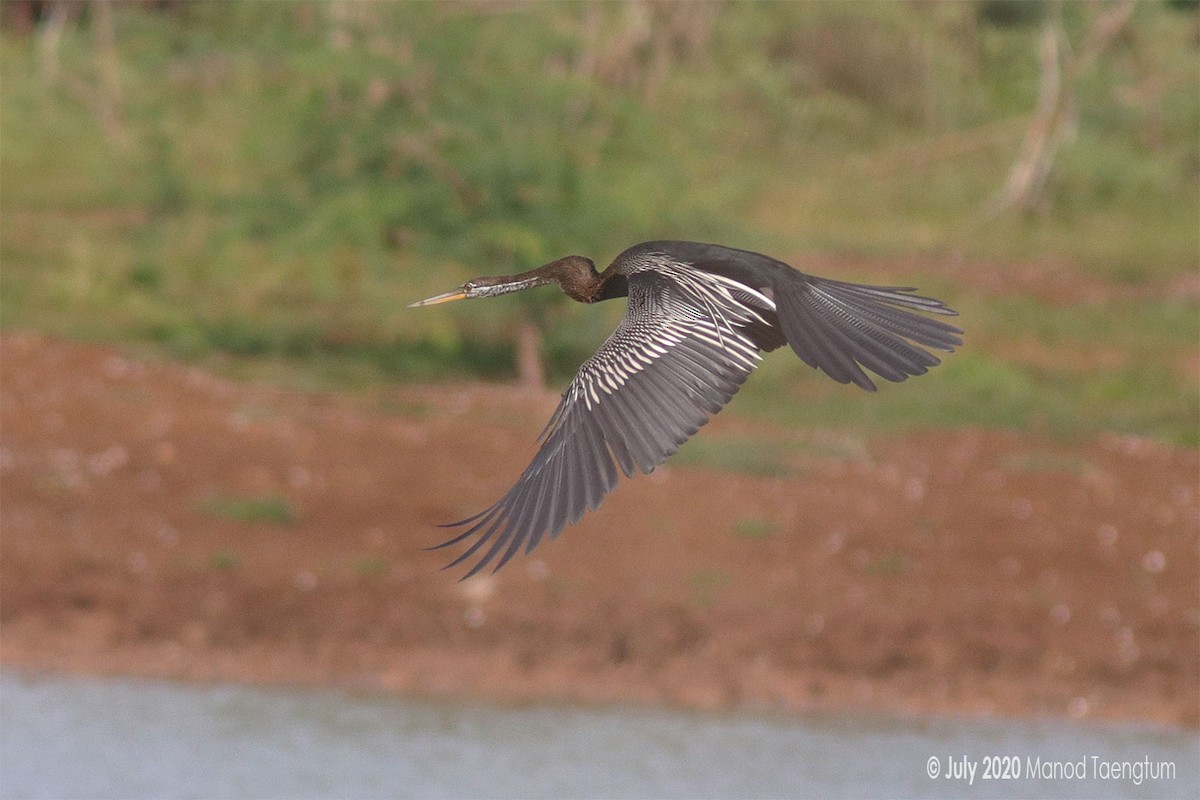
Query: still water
<point x="86" y="737"/>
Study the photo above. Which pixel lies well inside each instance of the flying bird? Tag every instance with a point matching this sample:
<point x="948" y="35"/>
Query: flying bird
<point x="698" y="319"/>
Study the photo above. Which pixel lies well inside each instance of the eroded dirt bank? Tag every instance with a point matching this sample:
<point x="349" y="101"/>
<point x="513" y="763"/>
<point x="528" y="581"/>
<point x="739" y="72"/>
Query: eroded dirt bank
<point x="161" y="521"/>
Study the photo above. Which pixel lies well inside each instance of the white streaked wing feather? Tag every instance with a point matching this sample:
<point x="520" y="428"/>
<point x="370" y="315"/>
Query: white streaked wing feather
<point x="678" y="356"/>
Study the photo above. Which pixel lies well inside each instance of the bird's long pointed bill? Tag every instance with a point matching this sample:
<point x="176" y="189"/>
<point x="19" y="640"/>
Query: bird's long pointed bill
<point x="445" y="297"/>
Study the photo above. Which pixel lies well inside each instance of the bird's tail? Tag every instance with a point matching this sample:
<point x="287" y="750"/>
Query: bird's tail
<point x="843" y="327"/>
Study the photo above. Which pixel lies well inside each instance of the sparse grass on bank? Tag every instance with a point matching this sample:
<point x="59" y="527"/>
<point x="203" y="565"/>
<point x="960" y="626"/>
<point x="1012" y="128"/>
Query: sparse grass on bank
<point x="270" y="509"/>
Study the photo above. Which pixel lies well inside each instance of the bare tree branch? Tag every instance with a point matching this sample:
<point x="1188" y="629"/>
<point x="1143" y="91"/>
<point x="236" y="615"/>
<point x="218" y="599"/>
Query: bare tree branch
<point x="1054" y="119"/>
<point x="530" y="368"/>
<point x="49" y="36"/>
<point x="109" y="101"/>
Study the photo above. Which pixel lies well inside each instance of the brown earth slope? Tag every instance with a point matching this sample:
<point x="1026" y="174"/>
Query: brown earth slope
<point x="158" y="520"/>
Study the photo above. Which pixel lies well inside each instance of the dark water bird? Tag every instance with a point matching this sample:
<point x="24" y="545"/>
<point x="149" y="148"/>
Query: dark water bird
<point x="698" y="318"/>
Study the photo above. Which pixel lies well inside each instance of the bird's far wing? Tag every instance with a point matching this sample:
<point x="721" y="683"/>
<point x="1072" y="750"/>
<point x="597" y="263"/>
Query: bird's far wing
<point x="674" y="360"/>
<point x="843" y="327"/>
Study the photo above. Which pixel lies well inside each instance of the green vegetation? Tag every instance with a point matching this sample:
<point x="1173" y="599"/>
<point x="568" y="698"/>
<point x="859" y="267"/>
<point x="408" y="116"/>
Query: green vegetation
<point x="748" y="456"/>
<point x="251" y="510"/>
<point x="752" y="528"/>
<point x="273" y="183"/>
<point x="225" y="561"/>
<point x="1047" y="462"/>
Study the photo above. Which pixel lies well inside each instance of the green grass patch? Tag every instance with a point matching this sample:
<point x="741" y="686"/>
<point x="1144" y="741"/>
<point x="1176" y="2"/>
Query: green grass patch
<point x="753" y="528"/>
<point x="271" y="509"/>
<point x="225" y="561"/>
<point x="411" y="409"/>
<point x="741" y="455"/>
<point x="1046" y="462"/>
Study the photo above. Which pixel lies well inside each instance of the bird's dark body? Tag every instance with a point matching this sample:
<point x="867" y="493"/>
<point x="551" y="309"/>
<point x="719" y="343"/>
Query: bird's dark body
<point x="744" y="266"/>
<point x="697" y="319"/>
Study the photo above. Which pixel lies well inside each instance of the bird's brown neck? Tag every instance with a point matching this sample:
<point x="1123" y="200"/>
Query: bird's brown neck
<point x="576" y="276"/>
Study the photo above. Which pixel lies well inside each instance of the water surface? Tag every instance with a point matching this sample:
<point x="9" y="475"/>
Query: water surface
<point x="91" y="737"/>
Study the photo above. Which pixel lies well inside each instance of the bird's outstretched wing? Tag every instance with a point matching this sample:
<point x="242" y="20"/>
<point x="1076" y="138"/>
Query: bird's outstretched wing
<point x="677" y="357"/>
<point x="842" y="327"/>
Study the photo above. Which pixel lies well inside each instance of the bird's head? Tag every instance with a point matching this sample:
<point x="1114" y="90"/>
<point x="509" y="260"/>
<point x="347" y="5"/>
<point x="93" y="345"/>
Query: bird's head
<point x="570" y="273"/>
